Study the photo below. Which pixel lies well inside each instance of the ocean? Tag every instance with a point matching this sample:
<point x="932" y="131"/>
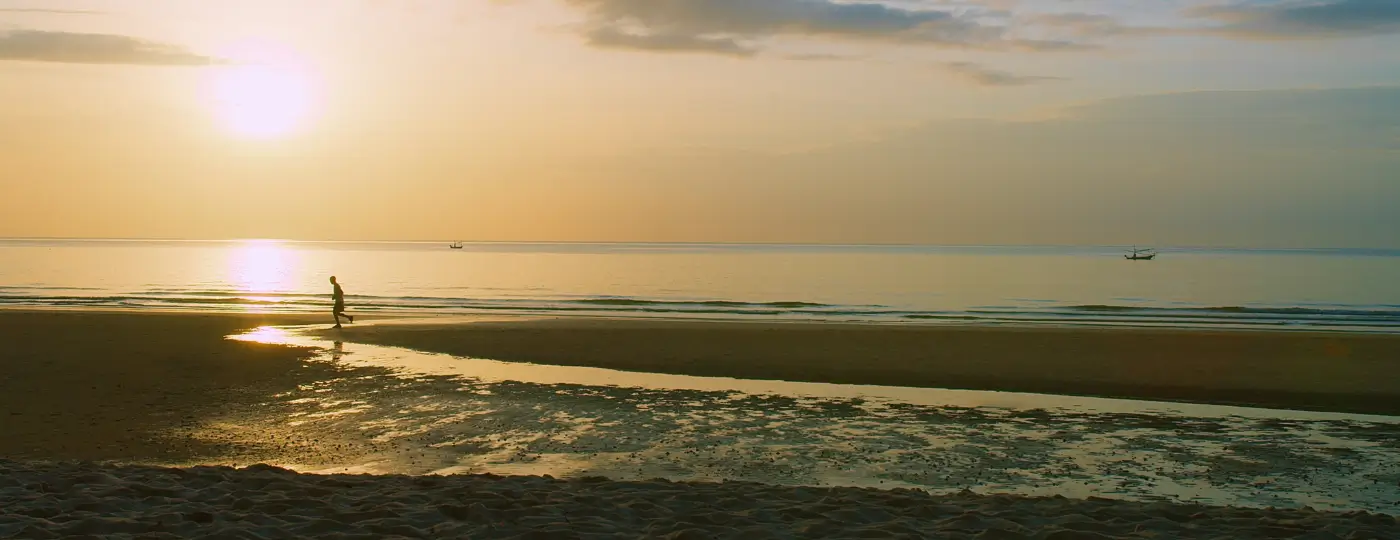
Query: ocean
<point x="1352" y="290"/>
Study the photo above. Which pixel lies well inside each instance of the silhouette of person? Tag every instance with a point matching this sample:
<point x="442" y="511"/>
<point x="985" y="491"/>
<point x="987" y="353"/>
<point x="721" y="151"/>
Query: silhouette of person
<point x="339" y="297"/>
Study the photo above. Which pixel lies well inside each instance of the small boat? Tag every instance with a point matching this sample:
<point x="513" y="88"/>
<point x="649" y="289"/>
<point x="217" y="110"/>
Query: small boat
<point x="455" y="245"/>
<point x="1136" y="254"/>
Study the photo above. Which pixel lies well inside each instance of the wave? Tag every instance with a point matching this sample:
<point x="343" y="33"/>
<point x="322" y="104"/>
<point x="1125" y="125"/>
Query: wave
<point x="1360" y="318"/>
<point x="140" y="300"/>
<point x="712" y="303"/>
<point x="1243" y="310"/>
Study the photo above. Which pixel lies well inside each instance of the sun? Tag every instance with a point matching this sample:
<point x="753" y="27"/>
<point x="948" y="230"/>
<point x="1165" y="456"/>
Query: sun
<point x="257" y="101"/>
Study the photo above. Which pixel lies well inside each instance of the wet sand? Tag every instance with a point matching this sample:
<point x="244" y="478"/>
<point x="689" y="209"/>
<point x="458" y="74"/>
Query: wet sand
<point x="1292" y="370"/>
<point x="47" y="501"/>
<point x="125" y="386"/>
<point x="441" y="414"/>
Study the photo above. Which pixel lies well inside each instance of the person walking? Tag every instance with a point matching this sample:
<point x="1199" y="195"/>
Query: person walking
<point x="338" y="295"/>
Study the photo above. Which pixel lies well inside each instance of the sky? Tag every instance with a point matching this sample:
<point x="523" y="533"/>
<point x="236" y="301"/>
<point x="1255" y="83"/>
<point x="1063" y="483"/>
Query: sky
<point x="1086" y="122"/>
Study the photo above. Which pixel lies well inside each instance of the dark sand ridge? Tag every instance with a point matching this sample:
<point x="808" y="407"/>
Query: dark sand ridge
<point x="124" y="386"/>
<point x="1297" y="370"/>
<point x="67" y="500"/>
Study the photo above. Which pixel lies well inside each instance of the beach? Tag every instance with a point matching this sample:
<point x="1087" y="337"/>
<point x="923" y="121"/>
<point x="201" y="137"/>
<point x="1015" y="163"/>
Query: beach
<point x="97" y="404"/>
<point x="694" y="269"/>
<point x="49" y="501"/>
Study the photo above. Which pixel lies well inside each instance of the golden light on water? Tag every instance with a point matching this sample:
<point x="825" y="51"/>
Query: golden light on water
<point x="263" y="267"/>
<point x="269" y="335"/>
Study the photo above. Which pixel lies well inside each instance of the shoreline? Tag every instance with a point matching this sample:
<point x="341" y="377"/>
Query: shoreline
<point x="915" y="322"/>
<point x="441" y="318"/>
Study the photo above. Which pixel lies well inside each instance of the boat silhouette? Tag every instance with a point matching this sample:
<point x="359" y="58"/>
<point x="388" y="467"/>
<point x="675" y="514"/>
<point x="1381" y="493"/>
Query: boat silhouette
<point x="1136" y="254"/>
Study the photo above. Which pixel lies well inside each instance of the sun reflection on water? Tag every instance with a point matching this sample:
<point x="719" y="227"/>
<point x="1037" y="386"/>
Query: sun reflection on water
<point x="262" y="269"/>
<point x="268" y="335"/>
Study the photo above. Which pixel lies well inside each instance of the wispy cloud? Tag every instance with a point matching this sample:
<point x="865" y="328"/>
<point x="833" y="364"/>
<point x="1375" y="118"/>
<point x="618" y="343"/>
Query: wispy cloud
<point x="79" y="48"/>
<point x="1091" y="25"/>
<point x="1243" y="19"/>
<point x="817" y="57"/>
<point x="1296" y="19"/>
<point x="612" y="37"/>
<point x="735" y="27"/>
<point x="984" y="76"/>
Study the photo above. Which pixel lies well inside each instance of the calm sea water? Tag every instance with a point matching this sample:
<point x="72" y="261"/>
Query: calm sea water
<point x="1351" y="290"/>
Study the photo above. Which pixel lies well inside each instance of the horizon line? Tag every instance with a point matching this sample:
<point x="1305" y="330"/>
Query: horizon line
<point x="677" y="243"/>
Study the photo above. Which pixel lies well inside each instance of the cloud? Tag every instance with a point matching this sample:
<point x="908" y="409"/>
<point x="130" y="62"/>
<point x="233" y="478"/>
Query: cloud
<point x="610" y="37"/>
<point x="817" y="57"/>
<point x="1091" y="25"/>
<point x="983" y="76"/>
<point x="733" y="27"/>
<point x="1296" y="19"/>
<point x="78" y="48"/>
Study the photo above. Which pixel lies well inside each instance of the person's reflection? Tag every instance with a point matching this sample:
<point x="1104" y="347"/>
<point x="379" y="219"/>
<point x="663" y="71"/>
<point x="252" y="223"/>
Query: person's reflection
<point x="337" y="351"/>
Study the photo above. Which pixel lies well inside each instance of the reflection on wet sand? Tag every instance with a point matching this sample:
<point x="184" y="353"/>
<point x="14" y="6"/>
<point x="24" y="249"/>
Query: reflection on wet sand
<point x="430" y="413"/>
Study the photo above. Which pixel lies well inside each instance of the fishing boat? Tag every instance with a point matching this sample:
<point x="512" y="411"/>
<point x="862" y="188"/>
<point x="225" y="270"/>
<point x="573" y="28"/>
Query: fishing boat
<point x="1136" y="254"/>
<point x="455" y="245"/>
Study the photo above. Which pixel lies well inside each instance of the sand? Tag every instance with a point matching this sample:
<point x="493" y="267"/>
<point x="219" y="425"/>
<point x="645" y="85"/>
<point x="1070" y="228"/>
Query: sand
<point x="99" y="386"/>
<point x="60" y="500"/>
<point x="1294" y="370"/>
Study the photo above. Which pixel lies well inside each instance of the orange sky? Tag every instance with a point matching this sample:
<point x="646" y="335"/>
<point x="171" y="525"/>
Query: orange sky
<point x="984" y="122"/>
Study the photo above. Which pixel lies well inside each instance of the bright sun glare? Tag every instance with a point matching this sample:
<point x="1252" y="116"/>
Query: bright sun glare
<point x="262" y="267"/>
<point x="261" y="101"/>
